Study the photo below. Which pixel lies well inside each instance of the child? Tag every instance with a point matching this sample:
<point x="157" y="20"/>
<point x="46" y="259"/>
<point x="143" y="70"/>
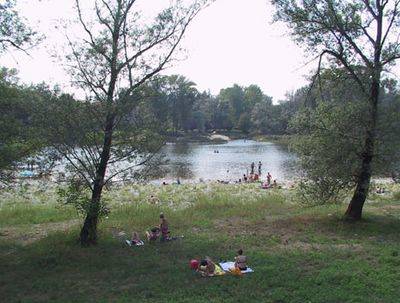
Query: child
<point x="240" y="260"/>
<point x="153" y="234"/>
<point x="136" y="240"/>
<point x="164" y="228"/>
<point x="206" y="267"/>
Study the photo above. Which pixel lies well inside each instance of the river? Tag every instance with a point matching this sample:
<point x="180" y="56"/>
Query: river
<point x="227" y="161"/>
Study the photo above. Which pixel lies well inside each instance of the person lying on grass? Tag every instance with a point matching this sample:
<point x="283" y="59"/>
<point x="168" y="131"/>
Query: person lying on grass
<point x="206" y="267"/>
<point x="240" y="260"/>
<point x="135" y="240"/>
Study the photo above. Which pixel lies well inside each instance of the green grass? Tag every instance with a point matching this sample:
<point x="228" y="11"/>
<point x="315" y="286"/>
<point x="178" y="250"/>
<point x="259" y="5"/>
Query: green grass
<point x="298" y="254"/>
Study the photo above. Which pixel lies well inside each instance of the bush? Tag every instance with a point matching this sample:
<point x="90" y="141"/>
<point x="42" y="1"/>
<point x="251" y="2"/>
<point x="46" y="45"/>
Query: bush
<point x="320" y="191"/>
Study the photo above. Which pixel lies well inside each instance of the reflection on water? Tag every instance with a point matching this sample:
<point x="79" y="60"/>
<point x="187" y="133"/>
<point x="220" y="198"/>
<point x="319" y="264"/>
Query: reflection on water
<point x="194" y="161"/>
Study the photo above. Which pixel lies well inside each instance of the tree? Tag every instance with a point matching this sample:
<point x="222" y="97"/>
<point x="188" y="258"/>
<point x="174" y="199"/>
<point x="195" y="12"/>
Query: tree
<point x="252" y="95"/>
<point x="119" y="55"/>
<point x="360" y="36"/>
<point x="181" y="95"/>
<point x="13" y="30"/>
<point x="233" y="97"/>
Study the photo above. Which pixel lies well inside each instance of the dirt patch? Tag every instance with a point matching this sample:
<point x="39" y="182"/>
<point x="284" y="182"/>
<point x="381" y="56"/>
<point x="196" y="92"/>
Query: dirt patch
<point x="36" y="232"/>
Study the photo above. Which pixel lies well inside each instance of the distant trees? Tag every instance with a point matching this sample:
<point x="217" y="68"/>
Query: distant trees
<point x="362" y="37"/>
<point x="15" y="122"/>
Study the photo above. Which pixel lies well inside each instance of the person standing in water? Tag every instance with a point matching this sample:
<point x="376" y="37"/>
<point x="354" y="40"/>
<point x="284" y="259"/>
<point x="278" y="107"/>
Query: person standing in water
<point x="259" y="168"/>
<point x="269" y="178"/>
<point x="252" y="168"/>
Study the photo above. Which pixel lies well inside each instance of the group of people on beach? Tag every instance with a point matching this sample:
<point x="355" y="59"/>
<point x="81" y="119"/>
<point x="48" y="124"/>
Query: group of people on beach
<point x="255" y="177"/>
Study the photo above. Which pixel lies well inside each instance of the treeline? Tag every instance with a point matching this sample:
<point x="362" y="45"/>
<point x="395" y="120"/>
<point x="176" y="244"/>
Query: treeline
<point x="175" y="101"/>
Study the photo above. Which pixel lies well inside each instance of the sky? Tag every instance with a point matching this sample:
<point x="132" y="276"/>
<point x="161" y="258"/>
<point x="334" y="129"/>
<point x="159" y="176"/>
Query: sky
<point x="232" y="41"/>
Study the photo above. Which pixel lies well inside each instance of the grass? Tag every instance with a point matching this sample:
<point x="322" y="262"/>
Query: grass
<point x="298" y="254"/>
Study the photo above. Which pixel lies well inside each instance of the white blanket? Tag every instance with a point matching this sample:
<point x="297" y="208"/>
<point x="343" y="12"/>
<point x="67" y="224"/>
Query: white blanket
<point x="228" y="265"/>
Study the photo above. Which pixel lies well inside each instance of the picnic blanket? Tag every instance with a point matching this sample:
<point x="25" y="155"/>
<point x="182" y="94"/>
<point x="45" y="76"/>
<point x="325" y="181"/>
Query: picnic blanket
<point x="228" y="265"/>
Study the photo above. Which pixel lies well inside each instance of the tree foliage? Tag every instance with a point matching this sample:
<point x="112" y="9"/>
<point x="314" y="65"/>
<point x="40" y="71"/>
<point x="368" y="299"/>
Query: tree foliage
<point x="14" y="32"/>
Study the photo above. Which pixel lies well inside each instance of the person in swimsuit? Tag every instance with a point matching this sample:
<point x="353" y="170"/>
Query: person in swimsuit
<point x="165" y="234"/>
<point x="206" y="267"/>
<point x="240" y="260"/>
<point x="269" y="178"/>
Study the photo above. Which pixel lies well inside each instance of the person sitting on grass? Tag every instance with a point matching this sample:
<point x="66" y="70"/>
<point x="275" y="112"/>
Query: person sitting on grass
<point x="206" y="267"/>
<point x="153" y="234"/>
<point x="240" y="260"/>
<point x="165" y="234"/>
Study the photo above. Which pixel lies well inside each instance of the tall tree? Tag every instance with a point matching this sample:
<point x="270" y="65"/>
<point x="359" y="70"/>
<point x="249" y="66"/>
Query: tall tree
<point x="121" y="52"/>
<point x="351" y="34"/>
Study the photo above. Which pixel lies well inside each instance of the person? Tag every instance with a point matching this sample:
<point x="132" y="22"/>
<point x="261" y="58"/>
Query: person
<point x="164" y="228"/>
<point x="252" y="168"/>
<point x="153" y="234"/>
<point x="135" y="240"/>
<point x="275" y="184"/>
<point x="259" y="167"/>
<point x="178" y="181"/>
<point x="255" y="178"/>
<point x="244" y="178"/>
<point x="240" y="260"/>
<point x="265" y="185"/>
<point x="164" y="183"/>
<point x="206" y="267"/>
<point x="269" y="178"/>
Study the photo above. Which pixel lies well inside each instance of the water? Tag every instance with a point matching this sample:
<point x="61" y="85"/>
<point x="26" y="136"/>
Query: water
<point x="191" y="162"/>
<point x="194" y="161"/>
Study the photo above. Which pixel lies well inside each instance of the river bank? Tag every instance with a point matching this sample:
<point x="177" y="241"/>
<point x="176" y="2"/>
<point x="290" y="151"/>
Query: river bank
<point x="224" y="136"/>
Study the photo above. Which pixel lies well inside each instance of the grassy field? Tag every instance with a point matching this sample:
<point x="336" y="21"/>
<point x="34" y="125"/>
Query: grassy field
<point x="298" y="254"/>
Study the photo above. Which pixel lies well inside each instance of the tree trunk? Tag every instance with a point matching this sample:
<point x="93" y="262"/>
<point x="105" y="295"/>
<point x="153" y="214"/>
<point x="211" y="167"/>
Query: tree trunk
<point x="88" y="235"/>
<point x="354" y="210"/>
